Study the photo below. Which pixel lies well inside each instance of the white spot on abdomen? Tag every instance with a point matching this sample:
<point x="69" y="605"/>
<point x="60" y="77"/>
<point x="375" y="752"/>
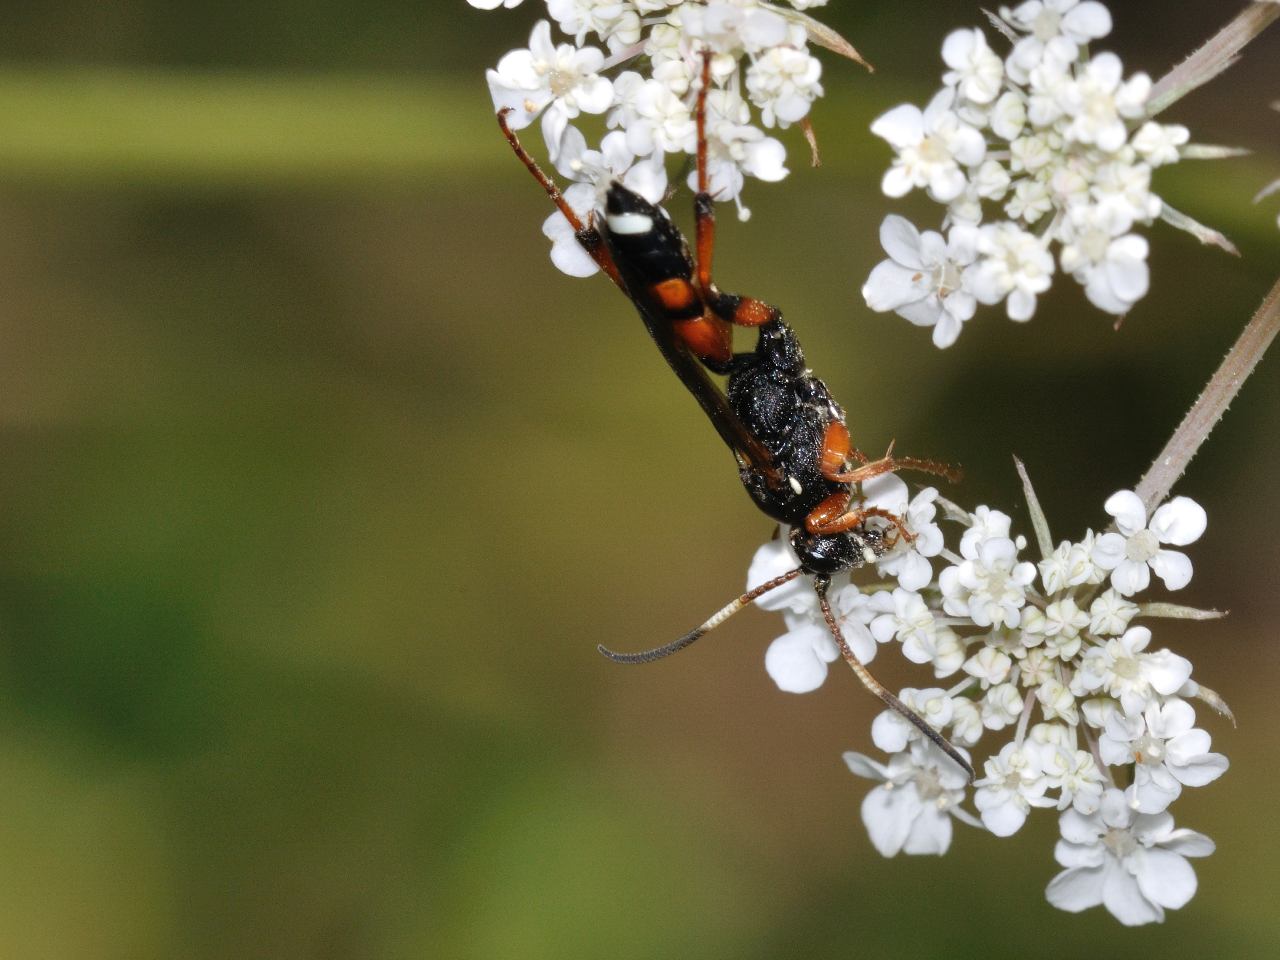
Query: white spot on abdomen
<point x="795" y="485"/>
<point x="629" y="224"/>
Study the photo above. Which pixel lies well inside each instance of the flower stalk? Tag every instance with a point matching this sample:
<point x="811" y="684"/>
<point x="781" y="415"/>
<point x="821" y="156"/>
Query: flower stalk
<point x="1221" y="51"/>
<point x="1212" y="403"/>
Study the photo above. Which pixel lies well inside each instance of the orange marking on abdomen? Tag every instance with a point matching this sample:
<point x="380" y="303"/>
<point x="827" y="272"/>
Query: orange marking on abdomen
<point x="676" y="295"/>
<point x="710" y="338"/>
<point x="835" y="449"/>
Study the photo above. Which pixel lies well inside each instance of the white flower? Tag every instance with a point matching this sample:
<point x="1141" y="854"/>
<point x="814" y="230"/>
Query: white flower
<point x="563" y="80"/>
<point x="990" y="585"/>
<point x="923" y="278"/>
<point x="891" y="731"/>
<point x="1099" y="99"/>
<point x="1132" y="553"/>
<point x="615" y="21"/>
<point x="1168" y="750"/>
<point x="1012" y="263"/>
<point x="733" y="29"/>
<point x="1122" y="670"/>
<point x="797" y="660"/>
<point x="783" y="82"/>
<point x="773" y="560"/>
<point x="654" y="118"/>
<point x="1056" y="701"/>
<point x="494" y="4"/>
<point x="989" y="666"/>
<point x="735" y="148"/>
<point x="910" y="812"/>
<point x="566" y="252"/>
<point x="909" y="561"/>
<point x="1058" y="27"/>
<point x="1014" y="783"/>
<point x="1134" y="864"/>
<point x="985" y="524"/>
<point x="976" y="71"/>
<point x="1158" y="143"/>
<point x="1001" y="706"/>
<point x="932" y="146"/>
<point x="1058" y="626"/>
<point x="1110" y="613"/>
<point x="1076" y="774"/>
<point x="1113" y="270"/>
<point x="613" y="161"/>
<point x="903" y="615"/>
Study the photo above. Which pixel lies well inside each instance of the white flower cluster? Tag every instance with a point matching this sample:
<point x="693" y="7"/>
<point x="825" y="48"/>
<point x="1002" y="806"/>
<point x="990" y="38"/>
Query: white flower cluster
<point x="1057" y="140"/>
<point x="644" y="85"/>
<point x="1114" y="740"/>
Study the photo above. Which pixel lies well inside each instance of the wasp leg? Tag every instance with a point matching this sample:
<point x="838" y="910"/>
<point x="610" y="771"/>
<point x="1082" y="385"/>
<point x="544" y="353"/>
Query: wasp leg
<point x="833" y="515"/>
<point x="879" y="689"/>
<point x="739" y="310"/>
<point x="586" y="233"/>
<point x="836" y="450"/>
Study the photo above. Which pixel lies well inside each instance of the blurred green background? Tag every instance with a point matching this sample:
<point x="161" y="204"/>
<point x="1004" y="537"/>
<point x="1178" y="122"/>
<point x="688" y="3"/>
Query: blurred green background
<point x="319" y="485"/>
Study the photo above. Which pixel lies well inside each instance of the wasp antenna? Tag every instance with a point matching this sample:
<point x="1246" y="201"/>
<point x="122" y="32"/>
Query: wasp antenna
<point x="717" y="618"/>
<point x="881" y="691"/>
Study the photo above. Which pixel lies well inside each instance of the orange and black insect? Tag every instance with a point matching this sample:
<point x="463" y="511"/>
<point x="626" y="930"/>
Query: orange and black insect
<point x="794" y="453"/>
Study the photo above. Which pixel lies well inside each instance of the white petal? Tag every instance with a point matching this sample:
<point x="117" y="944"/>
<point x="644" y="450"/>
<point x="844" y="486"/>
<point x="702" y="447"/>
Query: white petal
<point x="888" y="814"/>
<point x="594" y="95"/>
<point x="890" y="732"/>
<point x="1204" y="769"/>
<point x="1108" y="551"/>
<point x="1021" y="306"/>
<point x="915" y="572"/>
<point x="896" y="182"/>
<point x="863" y="766"/>
<point x="1126" y="267"/>
<point x="1180" y="521"/>
<point x="890" y="286"/>
<point x="901" y="241"/>
<point x="1005" y="819"/>
<point x="1188" y="843"/>
<point x="1122" y="896"/>
<point x="930" y="833"/>
<point x="1130" y="577"/>
<point x="569" y="257"/>
<point x="1126" y="506"/>
<point x="1183" y="746"/>
<point x="1172" y="567"/>
<point x="1075" y="890"/>
<point x="946" y="183"/>
<point x="793" y="664"/>
<point x="1078" y="855"/>
<point x="1088" y="21"/>
<point x="1165" y="877"/>
<point x="903" y="126"/>
<point x="770" y="562"/>
<point x="1077" y="828"/>
<point x="1177" y="718"/>
<point x="765" y="160"/>
<point x="1166" y="671"/>
<point x="923" y="313"/>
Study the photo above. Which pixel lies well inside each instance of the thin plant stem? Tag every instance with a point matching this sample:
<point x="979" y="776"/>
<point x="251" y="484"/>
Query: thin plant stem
<point x="1213" y="401"/>
<point x="1217" y="54"/>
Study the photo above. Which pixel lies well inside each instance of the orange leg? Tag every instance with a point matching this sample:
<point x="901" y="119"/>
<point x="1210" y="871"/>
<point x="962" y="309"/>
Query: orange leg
<point x="742" y="311"/>
<point x="836" y="450"/>
<point x="833" y="515"/>
<point x="586" y="234"/>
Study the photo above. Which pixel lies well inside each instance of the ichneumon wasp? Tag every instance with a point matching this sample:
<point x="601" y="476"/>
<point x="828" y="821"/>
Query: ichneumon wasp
<point x="795" y="457"/>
